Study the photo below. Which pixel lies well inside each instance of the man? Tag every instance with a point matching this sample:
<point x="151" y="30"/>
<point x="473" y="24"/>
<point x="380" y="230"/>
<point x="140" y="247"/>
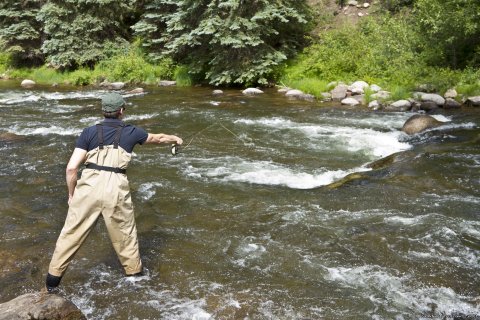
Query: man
<point x="103" y="189"/>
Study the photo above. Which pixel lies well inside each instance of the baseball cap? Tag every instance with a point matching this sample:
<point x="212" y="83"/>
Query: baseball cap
<point x="112" y="102"/>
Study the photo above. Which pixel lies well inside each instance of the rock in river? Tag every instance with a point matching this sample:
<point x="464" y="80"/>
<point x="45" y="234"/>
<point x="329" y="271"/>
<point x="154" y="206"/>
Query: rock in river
<point x="419" y="123"/>
<point x="40" y="306"/>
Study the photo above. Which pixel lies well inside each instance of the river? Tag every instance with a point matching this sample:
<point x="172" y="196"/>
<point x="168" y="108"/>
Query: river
<point x="272" y="210"/>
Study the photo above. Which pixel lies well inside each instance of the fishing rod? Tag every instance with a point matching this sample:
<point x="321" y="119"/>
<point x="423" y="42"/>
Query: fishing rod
<point x="175" y="148"/>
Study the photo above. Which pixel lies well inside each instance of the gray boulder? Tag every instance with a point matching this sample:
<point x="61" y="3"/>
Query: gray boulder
<point x="400" y="105"/>
<point x="28" y="83"/>
<point x="375" y="88"/>
<point x="350" y="101"/>
<point x="252" y="91"/>
<point x="167" y="83"/>
<point x="428" y="106"/>
<point x="451" y="104"/>
<point x="382" y="95"/>
<point x="374" y="105"/>
<point x="116" y="85"/>
<point x="473" y="101"/>
<point x="297" y="94"/>
<point x="438" y="99"/>
<point x="40" y="306"/>
<point x="339" y="92"/>
<point x="451" y="93"/>
<point x="419" y="123"/>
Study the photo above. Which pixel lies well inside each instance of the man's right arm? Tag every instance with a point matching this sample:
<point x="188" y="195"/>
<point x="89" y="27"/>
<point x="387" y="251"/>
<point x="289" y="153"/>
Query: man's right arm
<point x="77" y="158"/>
<point x="159" y="138"/>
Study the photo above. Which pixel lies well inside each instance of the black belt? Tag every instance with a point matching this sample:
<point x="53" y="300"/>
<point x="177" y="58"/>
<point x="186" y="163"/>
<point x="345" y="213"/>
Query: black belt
<point x="104" y="168"/>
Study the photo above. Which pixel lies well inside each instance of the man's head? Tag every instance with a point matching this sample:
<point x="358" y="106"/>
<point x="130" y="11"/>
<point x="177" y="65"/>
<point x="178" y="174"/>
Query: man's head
<point x="112" y="105"/>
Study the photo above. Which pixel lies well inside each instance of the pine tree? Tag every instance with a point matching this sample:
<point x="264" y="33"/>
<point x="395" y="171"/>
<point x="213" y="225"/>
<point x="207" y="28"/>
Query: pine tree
<point x="225" y="41"/>
<point x="79" y="31"/>
<point x="21" y="31"/>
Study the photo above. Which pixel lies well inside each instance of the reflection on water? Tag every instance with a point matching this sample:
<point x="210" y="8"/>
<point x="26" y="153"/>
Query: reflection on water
<point x="243" y="222"/>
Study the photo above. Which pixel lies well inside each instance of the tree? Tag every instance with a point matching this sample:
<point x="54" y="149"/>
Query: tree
<point x="451" y="31"/>
<point x="79" y="31"/>
<point x="21" y="31"/>
<point x="225" y="41"/>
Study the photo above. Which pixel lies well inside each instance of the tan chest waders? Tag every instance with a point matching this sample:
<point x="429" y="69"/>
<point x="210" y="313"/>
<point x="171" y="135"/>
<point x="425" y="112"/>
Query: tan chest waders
<point x="102" y="190"/>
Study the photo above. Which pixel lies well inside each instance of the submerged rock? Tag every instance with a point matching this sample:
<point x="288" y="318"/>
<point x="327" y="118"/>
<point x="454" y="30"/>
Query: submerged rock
<point x="40" y="306"/>
<point x="167" y="83"/>
<point x="217" y="92"/>
<point x="297" y="94"/>
<point x="136" y="91"/>
<point x="419" y="123"/>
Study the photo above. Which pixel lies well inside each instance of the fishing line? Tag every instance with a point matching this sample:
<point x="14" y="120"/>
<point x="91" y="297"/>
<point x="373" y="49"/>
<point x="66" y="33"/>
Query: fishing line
<point x="175" y="149"/>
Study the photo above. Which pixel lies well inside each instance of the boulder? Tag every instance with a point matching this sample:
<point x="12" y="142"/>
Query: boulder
<point x="473" y="101"/>
<point x="28" y="83"/>
<point x="350" y="101"/>
<point x="136" y="91"/>
<point x="339" y="92"/>
<point x="358" y="85"/>
<point x="252" y="91"/>
<point x="451" y="93"/>
<point x="438" y="99"/>
<point x="428" y="106"/>
<point x="400" y="105"/>
<point x="352" y="3"/>
<point x="217" y="92"/>
<point x="283" y="90"/>
<point x="451" y="104"/>
<point x="167" y="83"/>
<point x="374" y="105"/>
<point x="326" y="96"/>
<point x="420" y="122"/>
<point x="40" y="306"/>
<point x="366" y="5"/>
<point x="297" y="94"/>
<point x="116" y="85"/>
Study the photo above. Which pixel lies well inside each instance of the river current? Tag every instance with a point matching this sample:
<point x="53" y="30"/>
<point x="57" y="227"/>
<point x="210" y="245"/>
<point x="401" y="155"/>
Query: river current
<point x="274" y="209"/>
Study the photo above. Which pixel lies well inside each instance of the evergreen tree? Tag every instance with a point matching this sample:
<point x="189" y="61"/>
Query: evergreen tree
<point x="225" y="41"/>
<point x="21" y="31"/>
<point x="80" y="31"/>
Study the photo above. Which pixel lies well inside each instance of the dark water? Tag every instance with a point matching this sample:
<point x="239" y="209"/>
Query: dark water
<point x="246" y="223"/>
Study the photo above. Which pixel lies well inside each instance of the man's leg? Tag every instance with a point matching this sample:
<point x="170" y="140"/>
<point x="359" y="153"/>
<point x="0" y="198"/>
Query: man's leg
<point x="120" y="222"/>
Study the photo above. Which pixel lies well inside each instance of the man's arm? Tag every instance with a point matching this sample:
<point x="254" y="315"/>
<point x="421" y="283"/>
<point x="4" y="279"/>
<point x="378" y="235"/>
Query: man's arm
<point x="163" y="138"/>
<point x="77" y="158"/>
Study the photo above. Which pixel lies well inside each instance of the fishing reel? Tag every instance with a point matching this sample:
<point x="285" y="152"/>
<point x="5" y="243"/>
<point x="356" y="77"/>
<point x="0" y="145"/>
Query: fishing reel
<point x="175" y="149"/>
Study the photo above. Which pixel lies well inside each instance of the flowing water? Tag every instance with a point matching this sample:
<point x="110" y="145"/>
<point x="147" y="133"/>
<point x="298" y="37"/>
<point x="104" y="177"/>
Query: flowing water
<point x="273" y="210"/>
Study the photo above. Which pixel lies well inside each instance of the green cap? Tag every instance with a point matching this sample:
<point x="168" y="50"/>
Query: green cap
<point x="112" y="102"/>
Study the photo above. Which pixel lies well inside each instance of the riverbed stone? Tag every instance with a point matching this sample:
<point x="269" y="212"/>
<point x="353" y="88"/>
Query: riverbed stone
<point x="326" y="96"/>
<point x="420" y="122"/>
<point x="217" y="92"/>
<point x="283" y="90"/>
<point x="339" y="92"/>
<point x="382" y="95"/>
<point x="400" y="105"/>
<point x="353" y="3"/>
<point x="358" y="84"/>
<point x="375" y="88"/>
<point x="40" y="306"/>
<point x="438" y="99"/>
<point x="451" y="104"/>
<point x="136" y="91"/>
<point x="116" y="85"/>
<point x="27" y="83"/>
<point x="252" y="91"/>
<point x="473" y="101"/>
<point x="167" y="83"/>
<point x="298" y="94"/>
<point x="375" y="105"/>
<point x="428" y="106"/>
<point x="350" y="101"/>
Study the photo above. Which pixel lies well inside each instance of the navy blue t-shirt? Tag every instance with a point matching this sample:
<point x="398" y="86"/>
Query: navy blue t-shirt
<point x="131" y="135"/>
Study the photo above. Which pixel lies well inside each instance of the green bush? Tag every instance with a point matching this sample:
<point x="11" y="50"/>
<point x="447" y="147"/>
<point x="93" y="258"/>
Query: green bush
<point x="182" y="77"/>
<point x="81" y="77"/>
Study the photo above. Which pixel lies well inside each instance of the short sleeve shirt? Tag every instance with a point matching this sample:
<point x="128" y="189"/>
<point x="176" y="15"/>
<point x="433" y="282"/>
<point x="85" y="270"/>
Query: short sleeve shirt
<point x="131" y="136"/>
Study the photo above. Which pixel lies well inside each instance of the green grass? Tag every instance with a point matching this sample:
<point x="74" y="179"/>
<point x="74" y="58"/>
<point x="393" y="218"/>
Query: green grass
<point x="308" y="85"/>
<point x="183" y="77"/>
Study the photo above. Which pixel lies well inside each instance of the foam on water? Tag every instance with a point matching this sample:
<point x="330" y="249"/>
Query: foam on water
<point x="375" y="143"/>
<point x="43" y="131"/>
<point x="267" y="173"/>
<point x="400" y="292"/>
<point x="148" y="190"/>
<point x="140" y="117"/>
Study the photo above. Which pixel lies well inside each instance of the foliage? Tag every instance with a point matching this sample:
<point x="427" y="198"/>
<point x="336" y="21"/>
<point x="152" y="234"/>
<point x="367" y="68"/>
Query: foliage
<point x="21" y="31"/>
<point x="79" y="32"/>
<point x="450" y="31"/>
<point x="182" y="77"/>
<point x="383" y="51"/>
<point x="225" y="41"/>
<point x="396" y="5"/>
<point x="308" y="85"/>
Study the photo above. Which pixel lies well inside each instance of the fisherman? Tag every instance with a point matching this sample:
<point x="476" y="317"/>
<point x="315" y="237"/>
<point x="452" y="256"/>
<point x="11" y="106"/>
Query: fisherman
<point x="106" y="150"/>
